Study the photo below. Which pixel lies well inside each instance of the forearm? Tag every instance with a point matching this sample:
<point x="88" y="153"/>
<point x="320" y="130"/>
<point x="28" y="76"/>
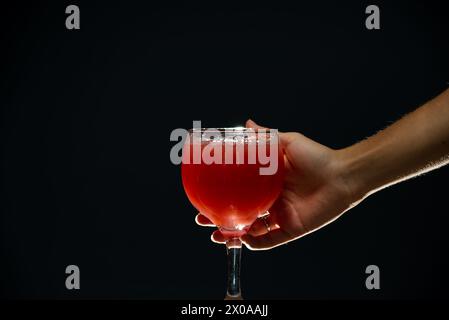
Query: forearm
<point x="417" y="143"/>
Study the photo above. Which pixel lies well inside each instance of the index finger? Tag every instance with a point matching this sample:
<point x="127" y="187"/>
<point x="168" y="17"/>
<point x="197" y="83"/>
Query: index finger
<point x="267" y="241"/>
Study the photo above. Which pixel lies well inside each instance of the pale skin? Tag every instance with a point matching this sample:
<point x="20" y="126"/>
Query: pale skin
<point x="322" y="183"/>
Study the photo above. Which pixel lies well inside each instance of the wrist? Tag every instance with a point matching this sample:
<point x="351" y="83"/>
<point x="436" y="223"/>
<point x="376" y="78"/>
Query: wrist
<point x="349" y="170"/>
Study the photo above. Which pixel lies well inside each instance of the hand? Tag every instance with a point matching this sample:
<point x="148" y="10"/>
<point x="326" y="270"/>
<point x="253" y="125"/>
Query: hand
<point x="314" y="194"/>
<point x="321" y="183"/>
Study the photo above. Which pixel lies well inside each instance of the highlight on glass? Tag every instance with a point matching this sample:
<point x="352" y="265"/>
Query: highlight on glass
<point x="232" y="176"/>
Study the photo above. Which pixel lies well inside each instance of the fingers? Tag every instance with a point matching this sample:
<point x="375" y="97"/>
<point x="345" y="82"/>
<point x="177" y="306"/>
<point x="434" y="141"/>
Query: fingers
<point x="218" y="237"/>
<point x="264" y="233"/>
<point x="259" y="237"/>
<point x="263" y="225"/>
<point x="267" y="241"/>
<point x="203" y="221"/>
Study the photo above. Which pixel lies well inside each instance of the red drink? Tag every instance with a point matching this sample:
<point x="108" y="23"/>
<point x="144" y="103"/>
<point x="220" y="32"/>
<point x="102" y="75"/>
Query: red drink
<point x="232" y="195"/>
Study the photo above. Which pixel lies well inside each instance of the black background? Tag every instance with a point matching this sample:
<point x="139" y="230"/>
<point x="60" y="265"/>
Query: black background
<point x="87" y="116"/>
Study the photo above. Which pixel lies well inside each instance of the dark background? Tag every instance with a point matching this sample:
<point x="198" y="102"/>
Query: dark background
<point x="87" y="116"/>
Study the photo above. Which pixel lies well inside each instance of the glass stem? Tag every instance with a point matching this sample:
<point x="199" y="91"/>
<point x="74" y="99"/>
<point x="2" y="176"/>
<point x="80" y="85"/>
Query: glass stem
<point x="234" y="253"/>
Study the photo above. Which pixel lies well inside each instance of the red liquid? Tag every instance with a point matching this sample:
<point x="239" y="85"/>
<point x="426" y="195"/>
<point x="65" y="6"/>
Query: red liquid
<point x="233" y="195"/>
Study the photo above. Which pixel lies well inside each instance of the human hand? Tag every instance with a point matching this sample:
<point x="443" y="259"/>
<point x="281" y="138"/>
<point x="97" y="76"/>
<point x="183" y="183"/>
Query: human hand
<point x="314" y="194"/>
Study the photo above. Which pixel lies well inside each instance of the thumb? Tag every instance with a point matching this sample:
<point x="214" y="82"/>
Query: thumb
<point x="285" y="137"/>
<point x="251" y="124"/>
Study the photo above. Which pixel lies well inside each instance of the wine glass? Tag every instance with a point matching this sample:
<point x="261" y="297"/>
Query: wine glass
<point x="232" y="176"/>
